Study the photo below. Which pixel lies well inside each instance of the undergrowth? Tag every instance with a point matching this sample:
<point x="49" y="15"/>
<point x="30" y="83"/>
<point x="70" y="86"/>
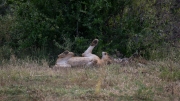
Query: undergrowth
<point x="32" y="80"/>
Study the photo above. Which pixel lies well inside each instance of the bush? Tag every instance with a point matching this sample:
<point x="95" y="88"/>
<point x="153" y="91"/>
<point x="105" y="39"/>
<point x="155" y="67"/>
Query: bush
<point x="124" y="25"/>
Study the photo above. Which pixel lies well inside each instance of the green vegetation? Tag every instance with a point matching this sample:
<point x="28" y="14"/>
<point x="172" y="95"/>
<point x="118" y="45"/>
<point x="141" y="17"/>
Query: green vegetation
<point x="31" y="80"/>
<point x="51" y="27"/>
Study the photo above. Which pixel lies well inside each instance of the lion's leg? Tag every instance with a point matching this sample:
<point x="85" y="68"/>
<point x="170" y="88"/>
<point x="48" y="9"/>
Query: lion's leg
<point x="59" y="66"/>
<point x="91" y="63"/>
<point x="88" y="52"/>
<point x="61" y="62"/>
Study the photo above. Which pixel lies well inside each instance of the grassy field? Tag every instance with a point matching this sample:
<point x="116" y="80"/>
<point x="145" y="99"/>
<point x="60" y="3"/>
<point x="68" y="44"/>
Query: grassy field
<point x="27" y="80"/>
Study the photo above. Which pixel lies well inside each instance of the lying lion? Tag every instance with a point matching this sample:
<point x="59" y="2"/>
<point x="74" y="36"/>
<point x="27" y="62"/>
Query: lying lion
<point x="67" y="59"/>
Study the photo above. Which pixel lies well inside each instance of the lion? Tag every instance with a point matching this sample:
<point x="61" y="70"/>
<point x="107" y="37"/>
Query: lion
<point x="67" y="59"/>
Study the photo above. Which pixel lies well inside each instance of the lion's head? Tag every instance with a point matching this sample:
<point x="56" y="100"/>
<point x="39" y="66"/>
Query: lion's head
<point x="106" y="58"/>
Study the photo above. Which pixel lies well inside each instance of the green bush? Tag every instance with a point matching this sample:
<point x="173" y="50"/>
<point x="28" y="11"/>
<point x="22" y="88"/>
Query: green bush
<point x="124" y="25"/>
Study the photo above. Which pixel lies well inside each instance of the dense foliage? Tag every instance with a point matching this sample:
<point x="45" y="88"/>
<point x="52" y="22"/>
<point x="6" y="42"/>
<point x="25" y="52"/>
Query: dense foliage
<point x="51" y="26"/>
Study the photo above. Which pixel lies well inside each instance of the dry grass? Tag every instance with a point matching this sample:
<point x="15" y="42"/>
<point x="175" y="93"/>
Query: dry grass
<point x="26" y="80"/>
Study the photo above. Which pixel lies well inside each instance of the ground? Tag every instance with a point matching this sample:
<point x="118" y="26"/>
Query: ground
<point x="27" y="80"/>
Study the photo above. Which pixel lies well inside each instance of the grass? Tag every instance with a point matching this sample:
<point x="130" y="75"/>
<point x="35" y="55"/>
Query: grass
<point x="28" y="80"/>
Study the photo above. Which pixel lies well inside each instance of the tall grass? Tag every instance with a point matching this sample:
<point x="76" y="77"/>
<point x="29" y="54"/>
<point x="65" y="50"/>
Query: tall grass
<point x="33" y="80"/>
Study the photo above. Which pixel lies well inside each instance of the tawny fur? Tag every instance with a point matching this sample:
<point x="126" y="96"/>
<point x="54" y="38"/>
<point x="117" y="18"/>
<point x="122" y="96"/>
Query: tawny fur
<point x="67" y="59"/>
<point x="62" y="59"/>
<point x="88" y="53"/>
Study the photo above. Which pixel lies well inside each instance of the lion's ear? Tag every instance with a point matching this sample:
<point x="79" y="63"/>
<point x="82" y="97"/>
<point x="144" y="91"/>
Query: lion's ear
<point x="105" y="53"/>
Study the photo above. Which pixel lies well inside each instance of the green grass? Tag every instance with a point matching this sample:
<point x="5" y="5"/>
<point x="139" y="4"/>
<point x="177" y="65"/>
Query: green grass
<point x="27" y="80"/>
